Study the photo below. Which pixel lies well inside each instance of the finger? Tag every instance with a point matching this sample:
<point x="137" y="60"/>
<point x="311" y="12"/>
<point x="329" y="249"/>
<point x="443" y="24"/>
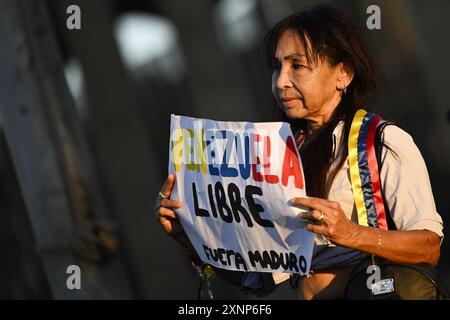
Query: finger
<point x="168" y="185"/>
<point x="168" y="224"/>
<point x="172" y="227"/>
<point x="313" y="203"/>
<point x="167" y="213"/>
<point x="171" y="204"/>
<point x="312" y="215"/>
<point x="316" y="228"/>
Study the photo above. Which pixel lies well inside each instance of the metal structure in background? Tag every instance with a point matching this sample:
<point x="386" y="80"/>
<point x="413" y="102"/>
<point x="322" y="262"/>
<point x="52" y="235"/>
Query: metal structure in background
<point x="126" y="160"/>
<point x="53" y="165"/>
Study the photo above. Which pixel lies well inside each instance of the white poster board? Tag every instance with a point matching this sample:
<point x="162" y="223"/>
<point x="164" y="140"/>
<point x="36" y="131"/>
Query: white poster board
<point x="235" y="180"/>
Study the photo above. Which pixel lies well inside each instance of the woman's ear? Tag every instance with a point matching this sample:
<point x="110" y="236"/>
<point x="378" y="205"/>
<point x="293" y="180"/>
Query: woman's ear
<point x="344" y="75"/>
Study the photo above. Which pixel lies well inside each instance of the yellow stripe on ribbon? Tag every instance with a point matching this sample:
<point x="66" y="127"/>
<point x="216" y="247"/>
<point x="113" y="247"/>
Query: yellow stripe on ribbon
<point x="354" y="167"/>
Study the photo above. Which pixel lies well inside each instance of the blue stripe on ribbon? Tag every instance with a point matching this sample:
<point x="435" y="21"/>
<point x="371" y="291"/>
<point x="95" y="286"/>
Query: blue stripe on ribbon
<point x="364" y="171"/>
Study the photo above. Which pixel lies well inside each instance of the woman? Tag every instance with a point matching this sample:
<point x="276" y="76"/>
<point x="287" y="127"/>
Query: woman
<point x="321" y="75"/>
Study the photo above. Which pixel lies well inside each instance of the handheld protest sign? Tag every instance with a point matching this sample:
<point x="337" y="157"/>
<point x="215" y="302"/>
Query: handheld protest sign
<point x="235" y="180"/>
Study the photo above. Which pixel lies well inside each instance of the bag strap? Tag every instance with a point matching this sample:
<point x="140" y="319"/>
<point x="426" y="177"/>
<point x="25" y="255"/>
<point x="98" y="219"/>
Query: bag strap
<point x="378" y="151"/>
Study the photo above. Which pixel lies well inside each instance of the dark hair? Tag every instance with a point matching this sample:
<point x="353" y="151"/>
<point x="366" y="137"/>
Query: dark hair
<point x="332" y="36"/>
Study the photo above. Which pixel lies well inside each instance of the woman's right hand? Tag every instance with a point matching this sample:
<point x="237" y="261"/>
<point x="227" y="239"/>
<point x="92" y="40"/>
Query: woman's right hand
<point x="166" y="216"/>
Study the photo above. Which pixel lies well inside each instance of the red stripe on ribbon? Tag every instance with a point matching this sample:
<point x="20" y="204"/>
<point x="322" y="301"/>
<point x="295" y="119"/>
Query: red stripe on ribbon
<point x="374" y="174"/>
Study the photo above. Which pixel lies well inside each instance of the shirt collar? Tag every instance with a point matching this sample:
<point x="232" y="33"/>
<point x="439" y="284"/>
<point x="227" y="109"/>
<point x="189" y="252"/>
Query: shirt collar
<point x="337" y="135"/>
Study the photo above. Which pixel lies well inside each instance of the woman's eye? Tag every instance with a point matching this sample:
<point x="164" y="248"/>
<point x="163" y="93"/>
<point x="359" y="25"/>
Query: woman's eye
<point x="297" y="66"/>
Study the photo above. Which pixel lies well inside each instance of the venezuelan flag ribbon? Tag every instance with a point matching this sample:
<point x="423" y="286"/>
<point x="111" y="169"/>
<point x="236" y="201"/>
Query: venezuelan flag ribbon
<point x="364" y="172"/>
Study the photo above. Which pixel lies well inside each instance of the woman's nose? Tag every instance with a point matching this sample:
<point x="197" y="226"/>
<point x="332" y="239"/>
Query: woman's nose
<point x="283" y="80"/>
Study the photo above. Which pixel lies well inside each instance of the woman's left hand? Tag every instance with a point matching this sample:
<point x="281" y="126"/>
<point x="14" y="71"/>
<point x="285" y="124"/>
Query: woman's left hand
<point x="327" y="218"/>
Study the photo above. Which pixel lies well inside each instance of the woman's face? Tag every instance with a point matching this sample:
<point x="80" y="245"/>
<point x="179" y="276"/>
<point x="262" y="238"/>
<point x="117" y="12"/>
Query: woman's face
<point x="302" y="90"/>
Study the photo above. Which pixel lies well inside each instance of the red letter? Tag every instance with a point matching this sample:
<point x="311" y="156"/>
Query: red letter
<point x="257" y="176"/>
<point x="270" y="178"/>
<point x="291" y="165"/>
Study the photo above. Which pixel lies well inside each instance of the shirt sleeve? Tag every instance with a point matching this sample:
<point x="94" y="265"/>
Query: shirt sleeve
<point x="406" y="184"/>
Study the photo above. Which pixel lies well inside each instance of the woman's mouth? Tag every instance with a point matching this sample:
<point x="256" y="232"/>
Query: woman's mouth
<point x="289" y="102"/>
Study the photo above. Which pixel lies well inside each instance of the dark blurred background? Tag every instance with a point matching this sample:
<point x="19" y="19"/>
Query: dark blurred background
<point x="84" y="126"/>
